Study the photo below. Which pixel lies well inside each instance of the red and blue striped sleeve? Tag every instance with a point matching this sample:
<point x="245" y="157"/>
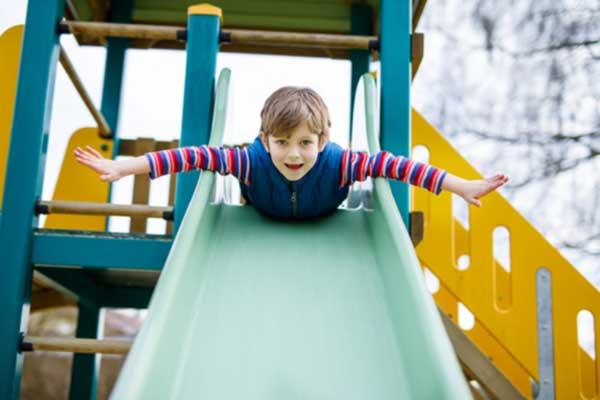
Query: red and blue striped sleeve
<point x="358" y="166"/>
<point x="226" y="161"/>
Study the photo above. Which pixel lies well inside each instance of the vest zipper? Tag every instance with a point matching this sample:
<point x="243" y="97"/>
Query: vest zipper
<point x="294" y="201"/>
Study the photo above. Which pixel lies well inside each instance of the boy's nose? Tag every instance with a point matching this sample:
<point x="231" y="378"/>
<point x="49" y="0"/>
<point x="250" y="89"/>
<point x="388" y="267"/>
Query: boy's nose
<point x="294" y="153"/>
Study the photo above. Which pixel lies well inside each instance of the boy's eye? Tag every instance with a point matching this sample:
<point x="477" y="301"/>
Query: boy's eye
<point x="306" y="142"/>
<point x="280" y="142"/>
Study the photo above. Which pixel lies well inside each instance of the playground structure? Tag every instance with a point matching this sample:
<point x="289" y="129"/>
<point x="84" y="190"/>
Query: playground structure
<point x="523" y="343"/>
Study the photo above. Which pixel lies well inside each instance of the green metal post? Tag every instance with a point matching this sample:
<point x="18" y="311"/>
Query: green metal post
<point x="201" y="52"/>
<point x="113" y="75"/>
<point x="361" y="16"/>
<point x="84" y="371"/>
<point x="24" y="176"/>
<point x="395" y="16"/>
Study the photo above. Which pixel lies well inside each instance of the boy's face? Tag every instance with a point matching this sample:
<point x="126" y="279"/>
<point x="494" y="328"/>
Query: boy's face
<point x="295" y="154"/>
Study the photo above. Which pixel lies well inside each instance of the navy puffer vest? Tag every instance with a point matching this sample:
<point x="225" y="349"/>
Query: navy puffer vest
<point x="317" y="193"/>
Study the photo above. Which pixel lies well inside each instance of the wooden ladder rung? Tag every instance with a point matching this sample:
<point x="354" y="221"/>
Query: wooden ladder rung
<point x="74" y="345"/>
<point x="90" y="208"/>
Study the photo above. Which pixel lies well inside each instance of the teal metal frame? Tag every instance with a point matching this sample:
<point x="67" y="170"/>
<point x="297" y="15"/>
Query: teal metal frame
<point x="198" y="99"/>
<point x="361" y="17"/>
<point x="395" y="51"/>
<point x="85" y="367"/>
<point x="24" y="175"/>
<point x="21" y="245"/>
<point x="98" y="250"/>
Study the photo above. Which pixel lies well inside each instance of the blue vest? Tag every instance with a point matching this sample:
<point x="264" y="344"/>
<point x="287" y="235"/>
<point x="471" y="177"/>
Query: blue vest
<point x="317" y="193"/>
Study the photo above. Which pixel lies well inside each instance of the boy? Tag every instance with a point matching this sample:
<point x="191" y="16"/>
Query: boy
<point x="292" y="170"/>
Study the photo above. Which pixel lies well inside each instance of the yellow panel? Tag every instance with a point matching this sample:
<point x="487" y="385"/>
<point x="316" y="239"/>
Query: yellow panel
<point x="79" y="183"/>
<point x="10" y="54"/>
<point x="505" y="303"/>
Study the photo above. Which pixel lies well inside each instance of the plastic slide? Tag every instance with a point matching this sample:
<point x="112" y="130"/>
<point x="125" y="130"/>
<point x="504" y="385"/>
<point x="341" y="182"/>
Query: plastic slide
<point x="252" y="308"/>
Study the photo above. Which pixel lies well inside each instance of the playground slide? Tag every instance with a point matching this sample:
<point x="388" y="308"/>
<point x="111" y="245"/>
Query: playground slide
<point x="249" y="307"/>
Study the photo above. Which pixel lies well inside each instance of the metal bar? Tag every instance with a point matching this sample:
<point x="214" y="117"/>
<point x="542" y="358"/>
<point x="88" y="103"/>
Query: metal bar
<point x="396" y="28"/>
<point x="233" y="36"/>
<point x="545" y="389"/>
<point x="76" y="345"/>
<point x="87" y="100"/>
<point x="90" y="208"/>
<point x="24" y="178"/>
<point x="198" y="98"/>
<point x="98" y="250"/>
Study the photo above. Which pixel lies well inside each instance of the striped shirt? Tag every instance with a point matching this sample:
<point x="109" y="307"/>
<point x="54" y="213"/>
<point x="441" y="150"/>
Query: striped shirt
<point x="354" y="166"/>
<point x="226" y="161"/>
<point x="358" y="166"/>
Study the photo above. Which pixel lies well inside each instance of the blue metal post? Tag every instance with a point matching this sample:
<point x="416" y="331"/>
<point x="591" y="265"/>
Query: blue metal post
<point x="84" y="371"/>
<point x="113" y="67"/>
<point x="24" y="175"/>
<point x="395" y="17"/>
<point x="201" y="52"/>
<point x="361" y="16"/>
<point x="113" y="75"/>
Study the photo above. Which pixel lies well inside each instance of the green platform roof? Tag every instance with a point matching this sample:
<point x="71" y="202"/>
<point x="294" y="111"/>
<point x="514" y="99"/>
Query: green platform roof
<point x="314" y="16"/>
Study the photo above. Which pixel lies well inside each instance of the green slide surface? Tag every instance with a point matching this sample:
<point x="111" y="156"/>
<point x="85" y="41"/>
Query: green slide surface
<point x="252" y="308"/>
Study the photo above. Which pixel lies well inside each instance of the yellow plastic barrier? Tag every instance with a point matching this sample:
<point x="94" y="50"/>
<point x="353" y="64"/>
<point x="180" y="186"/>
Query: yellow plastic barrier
<point x="10" y="54"/>
<point x="79" y="183"/>
<point x="504" y="303"/>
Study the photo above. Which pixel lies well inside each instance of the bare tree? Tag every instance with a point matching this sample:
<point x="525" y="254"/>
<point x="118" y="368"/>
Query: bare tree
<point x="524" y="78"/>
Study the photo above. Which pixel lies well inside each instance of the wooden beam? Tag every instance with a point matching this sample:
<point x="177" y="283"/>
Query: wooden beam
<point x="418" y="7"/>
<point x="87" y="100"/>
<point x="478" y="365"/>
<point x="91" y="208"/>
<point x="75" y="345"/>
<point x="418" y="50"/>
<point x="141" y="186"/>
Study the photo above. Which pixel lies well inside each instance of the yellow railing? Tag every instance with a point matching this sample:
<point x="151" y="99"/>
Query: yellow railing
<point x="504" y="303"/>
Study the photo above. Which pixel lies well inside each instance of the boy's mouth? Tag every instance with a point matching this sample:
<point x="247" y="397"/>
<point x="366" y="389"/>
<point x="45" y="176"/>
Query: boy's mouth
<point x="294" y="166"/>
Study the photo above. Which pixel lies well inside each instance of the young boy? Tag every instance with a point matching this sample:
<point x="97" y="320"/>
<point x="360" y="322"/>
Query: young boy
<point x="292" y="170"/>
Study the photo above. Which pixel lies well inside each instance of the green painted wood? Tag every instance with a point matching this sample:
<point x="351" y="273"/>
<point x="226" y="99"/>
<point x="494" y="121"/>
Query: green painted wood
<point x="100" y="250"/>
<point x="202" y="47"/>
<point x="396" y="28"/>
<point x="360" y="60"/>
<point x="332" y="16"/>
<point x="249" y="307"/>
<point x="84" y="370"/>
<point x="24" y="178"/>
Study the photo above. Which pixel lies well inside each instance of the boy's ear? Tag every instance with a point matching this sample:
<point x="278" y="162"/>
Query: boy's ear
<point x="264" y="140"/>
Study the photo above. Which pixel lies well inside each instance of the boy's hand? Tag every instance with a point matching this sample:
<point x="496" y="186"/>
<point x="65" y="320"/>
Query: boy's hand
<point x="472" y="191"/>
<point x="107" y="169"/>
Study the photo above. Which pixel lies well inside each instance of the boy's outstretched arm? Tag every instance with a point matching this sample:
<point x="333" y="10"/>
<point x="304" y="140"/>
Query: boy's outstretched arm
<point x="357" y="166"/>
<point x="473" y="190"/>
<point x="234" y="161"/>
<point x="111" y="170"/>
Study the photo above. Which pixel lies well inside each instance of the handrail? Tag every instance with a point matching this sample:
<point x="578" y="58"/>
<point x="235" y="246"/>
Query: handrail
<point x="92" y="208"/>
<point x="75" y="345"/>
<point x="505" y="304"/>
<point x="233" y="36"/>
<point x="105" y="130"/>
<point x="197" y="217"/>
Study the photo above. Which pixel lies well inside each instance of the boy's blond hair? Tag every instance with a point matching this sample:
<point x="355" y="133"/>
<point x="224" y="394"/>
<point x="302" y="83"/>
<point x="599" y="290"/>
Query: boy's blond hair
<point x="289" y="106"/>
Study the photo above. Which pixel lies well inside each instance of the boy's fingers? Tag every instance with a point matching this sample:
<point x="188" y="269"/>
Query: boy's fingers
<point x="94" y="152"/>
